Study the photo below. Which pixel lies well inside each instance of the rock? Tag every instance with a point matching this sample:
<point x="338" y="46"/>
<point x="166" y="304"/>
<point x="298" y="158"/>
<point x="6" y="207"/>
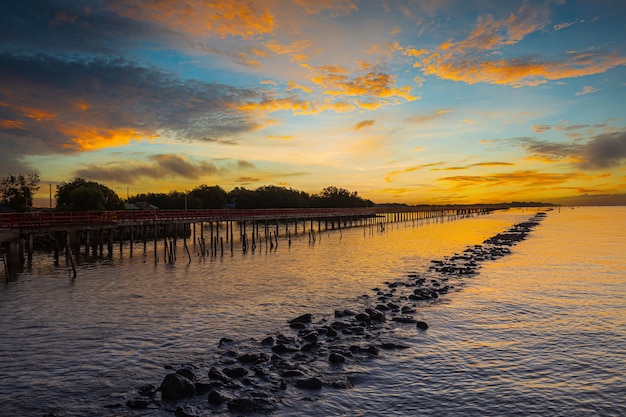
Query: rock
<point x="391" y="345"/>
<point x="186" y="411"/>
<point x="336" y="358"/>
<point x="225" y="340"/>
<point x="404" y="319"/>
<point x="309" y="383"/>
<point x="310" y="336"/>
<point x="236" y="372"/>
<point x="375" y="315"/>
<point x="253" y="358"/>
<point x="202" y="387"/>
<point x="216" y="397"/>
<point x="291" y="373"/>
<point x="305" y="318"/>
<point x="250" y="405"/>
<point x="138" y="403"/>
<point x="175" y="386"/>
<point x="187" y="374"/>
<point x="147" y="390"/>
<point x="215" y="373"/>
<point x="422" y="325"/>
<point x="362" y="317"/>
<point x="282" y="348"/>
<point x="268" y="341"/>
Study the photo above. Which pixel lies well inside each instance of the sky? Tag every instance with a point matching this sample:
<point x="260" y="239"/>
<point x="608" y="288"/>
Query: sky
<point x="403" y="101"/>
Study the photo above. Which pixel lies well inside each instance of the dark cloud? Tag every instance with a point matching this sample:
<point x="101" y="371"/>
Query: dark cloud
<point x="547" y="150"/>
<point x="244" y="164"/>
<point x="164" y="165"/>
<point x="67" y="26"/>
<point x="49" y="105"/>
<point x="604" y="151"/>
<point x="182" y="167"/>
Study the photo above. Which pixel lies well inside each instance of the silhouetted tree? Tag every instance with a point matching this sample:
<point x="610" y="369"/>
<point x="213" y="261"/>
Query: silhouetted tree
<point x="17" y="191"/>
<point x="205" y="197"/>
<point x="83" y="195"/>
<point x="339" y="197"/>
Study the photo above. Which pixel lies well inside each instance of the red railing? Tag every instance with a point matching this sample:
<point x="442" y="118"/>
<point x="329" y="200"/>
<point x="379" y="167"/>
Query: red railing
<point x="40" y="219"/>
<point x="92" y="218"/>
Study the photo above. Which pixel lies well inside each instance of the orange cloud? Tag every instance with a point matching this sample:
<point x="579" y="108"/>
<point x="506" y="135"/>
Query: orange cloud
<point x="364" y="123"/>
<point x="471" y="60"/>
<point x="89" y="138"/>
<point x="428" y="117"/>
<point x="541" y="128"/>
<point x="211" y="18"/>
<point x="376" y="84"/>
<point x="517" y="178"/>
<point x="294" y="86"/>
<point x="12" y="124"/>
<point x="273" y="105"/>
<point x="390" y="177"/>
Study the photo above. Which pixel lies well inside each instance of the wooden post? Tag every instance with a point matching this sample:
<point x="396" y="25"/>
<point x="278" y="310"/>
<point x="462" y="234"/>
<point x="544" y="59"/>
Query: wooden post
<point x="30" y="248"/>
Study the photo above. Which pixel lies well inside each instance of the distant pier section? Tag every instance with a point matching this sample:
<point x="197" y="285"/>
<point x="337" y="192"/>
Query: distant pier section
<point x="77" y="233"/>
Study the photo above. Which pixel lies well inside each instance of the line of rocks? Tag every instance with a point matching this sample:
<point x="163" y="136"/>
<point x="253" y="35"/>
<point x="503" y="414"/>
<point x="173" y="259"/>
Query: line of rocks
<point x="255" y="376"/>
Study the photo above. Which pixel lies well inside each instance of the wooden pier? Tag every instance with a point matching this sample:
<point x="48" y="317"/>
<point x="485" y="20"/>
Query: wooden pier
<point x="77" y="234"/>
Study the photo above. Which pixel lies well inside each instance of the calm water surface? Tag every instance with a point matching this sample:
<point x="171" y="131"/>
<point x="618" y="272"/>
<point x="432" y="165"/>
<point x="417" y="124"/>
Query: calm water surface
<point x="541" y="331"/>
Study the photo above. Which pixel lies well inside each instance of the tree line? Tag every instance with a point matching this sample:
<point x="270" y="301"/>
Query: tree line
<point x="16" y="193"/>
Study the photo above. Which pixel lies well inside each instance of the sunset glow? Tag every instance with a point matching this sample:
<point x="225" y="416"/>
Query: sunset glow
<point x="408" y="101"/>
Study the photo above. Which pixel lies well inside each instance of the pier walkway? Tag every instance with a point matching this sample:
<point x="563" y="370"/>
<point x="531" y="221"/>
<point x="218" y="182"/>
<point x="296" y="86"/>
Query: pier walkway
<point x="92" y="230"/>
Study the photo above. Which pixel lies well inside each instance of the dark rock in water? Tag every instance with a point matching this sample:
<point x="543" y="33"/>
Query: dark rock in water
<point x="236" y="372"/>
<point x="282" y="348"/>
<point x="310" y="336"/>
<point x="216" y="397"/>
<point x="225" y="340"/>
<point x="186" y="411"/>
<point x="291" y="373"/>
<point x="215" y="373"/>
<point x="268" y="341"/>
<point x="391" y="345"/>
<point x="187" y="374"/>
<point x="202" y="387"/>
<point x="147" y="390"/>
<point x="341" y="384"/>
<point x="372" y="350"/>
<point x="337" y="325"/>
<point x="363" y="318"/>
<point x="422" y="325"/>
<point x="382" y="307"/>
<point x="253" y="358"/>
<point x="138" y="403"/>
<point x="403" y="319"/>
<point x="250" y="405"/>
<point x="375" y="315"/>
<point x="298" y="326"/>
<point x="309" y="347"/>
<point x="336" y="358"/>
<point x="305" y="318"/>
<point x="175" y="386"/>
<point x="309" y="383"/>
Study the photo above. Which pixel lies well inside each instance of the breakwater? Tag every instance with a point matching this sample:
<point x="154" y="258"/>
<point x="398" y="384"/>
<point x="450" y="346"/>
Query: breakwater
<point x="259" y="375"/>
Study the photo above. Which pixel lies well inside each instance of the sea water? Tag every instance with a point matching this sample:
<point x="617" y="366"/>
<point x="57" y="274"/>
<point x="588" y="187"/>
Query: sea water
<point x="540" y="331"/>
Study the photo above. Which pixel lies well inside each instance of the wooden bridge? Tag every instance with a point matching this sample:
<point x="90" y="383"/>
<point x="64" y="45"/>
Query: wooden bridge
<point x="92" y="230"/>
